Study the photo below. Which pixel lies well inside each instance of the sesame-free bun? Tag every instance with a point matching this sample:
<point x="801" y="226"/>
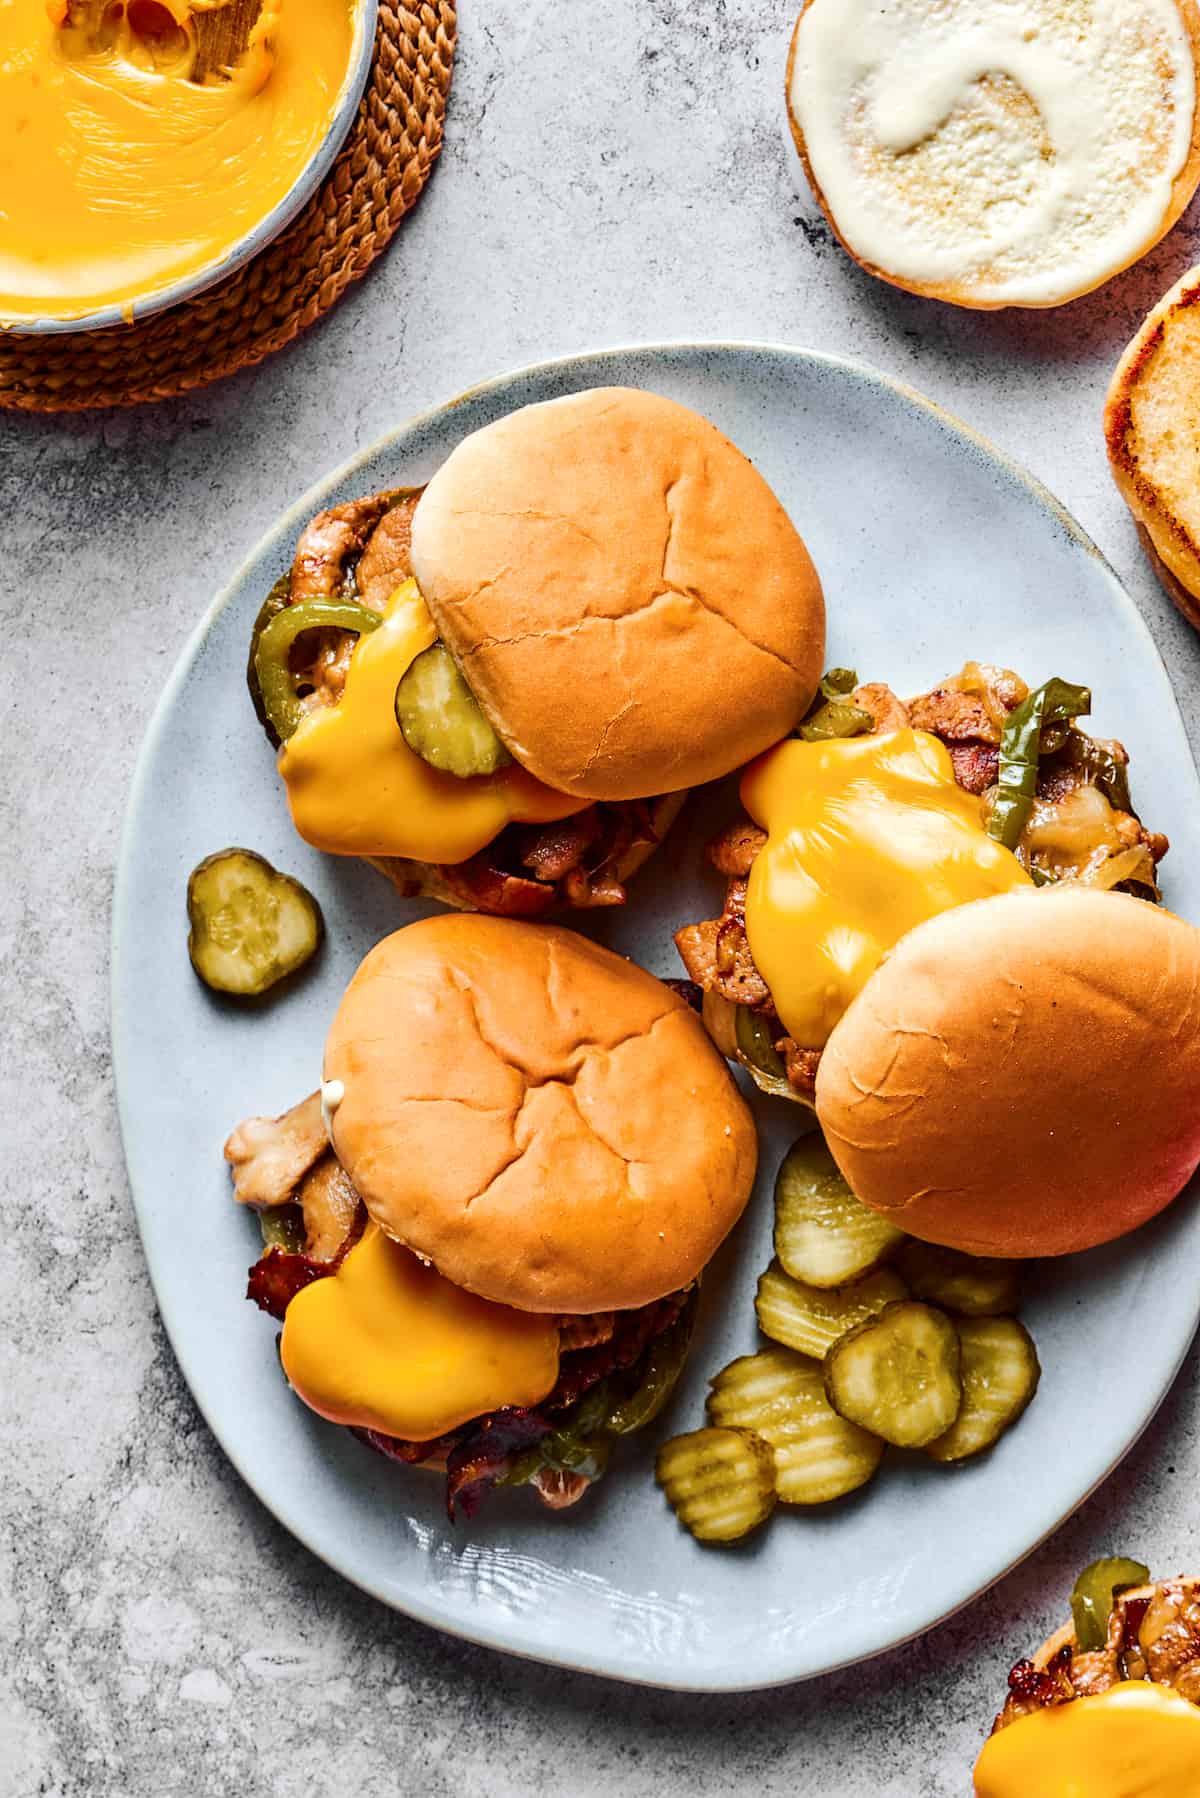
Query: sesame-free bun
<point x="990" y="156"/>
<point x="1021" y="1076"/>
<point x="627" y="598"/>
<point x="1150" y="433"/>
<point x="544" y="1121"/>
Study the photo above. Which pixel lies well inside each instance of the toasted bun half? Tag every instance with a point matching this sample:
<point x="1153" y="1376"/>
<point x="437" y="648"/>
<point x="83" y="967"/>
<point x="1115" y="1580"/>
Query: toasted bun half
<point x="974" y="157"/>
<point x="627" y="598"/>
<point x="1150" y="433"/>
<point x="544" y="1121"/>
<point x="1022" y="1075"/>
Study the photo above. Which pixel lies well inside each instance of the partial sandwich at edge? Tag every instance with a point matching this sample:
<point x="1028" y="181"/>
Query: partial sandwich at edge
<point x="1110" y="1703"/>
<point x="484" y="1234"/>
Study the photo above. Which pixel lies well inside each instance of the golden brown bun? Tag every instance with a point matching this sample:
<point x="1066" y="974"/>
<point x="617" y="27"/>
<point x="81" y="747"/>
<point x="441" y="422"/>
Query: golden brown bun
<point x="545" y="1122"/>
<point x="629" y="601"/>
<point x="1150" y="431"/>
<point x="1016" y="103"/>
<point x="1021" y="1076"/>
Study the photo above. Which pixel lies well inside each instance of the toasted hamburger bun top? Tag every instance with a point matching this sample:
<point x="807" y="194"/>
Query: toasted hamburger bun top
<point x="545" y="1122"/>
<point x="630" y="603"/>
<point x="1150" y="433"/>
<point x="1022" y="1075"/>
<point x="993" y="155"/>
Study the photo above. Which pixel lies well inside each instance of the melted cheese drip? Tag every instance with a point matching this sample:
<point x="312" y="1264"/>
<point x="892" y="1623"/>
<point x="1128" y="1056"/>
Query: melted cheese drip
<point x="356" y="788"/>
<point x="119" y="176"/>
<point x="386" y="1343"/>
<point x="866" y="838"/>
<point x="1134" y="1741"/>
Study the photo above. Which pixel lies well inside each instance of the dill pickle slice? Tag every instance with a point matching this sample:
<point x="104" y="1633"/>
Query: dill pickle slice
<point x="780" y="1396"/>
<point x="283" y="1228"/>
<point x="719" y="1483"/>
<point x="823" y="1234"/>
<point x="1000" y="1373"/>
<point x="812" y="1318"/>
<point x="1094" y="1594"/>
<point x="275" y="602"/>
<point x="898" y="1374"/>
<point x="442" y="720"/>
<point x="250" y="925"/>
<point x="968" y="1285"/>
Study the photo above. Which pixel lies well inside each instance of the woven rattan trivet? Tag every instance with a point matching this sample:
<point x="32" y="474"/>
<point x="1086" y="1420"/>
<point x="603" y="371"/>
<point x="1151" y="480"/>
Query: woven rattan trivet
<point x="349" y="222"/>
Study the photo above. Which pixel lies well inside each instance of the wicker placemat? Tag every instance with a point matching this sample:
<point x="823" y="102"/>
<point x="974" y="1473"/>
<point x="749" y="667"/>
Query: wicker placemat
<point x="381" y="170"/>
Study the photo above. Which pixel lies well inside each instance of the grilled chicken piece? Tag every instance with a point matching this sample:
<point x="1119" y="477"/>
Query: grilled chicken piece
<point x="270" y="1156"/>
<point x="330" y="1205"/>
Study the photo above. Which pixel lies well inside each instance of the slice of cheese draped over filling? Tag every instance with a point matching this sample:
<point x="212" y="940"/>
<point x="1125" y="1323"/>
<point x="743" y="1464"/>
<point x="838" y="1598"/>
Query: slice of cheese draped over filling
<point x="1016" y="150"/>
<point x="119" y="175"/>
<point x="386" y="1343"/>
<point x="866" y="838"/>
<point x="356" y="788"/>
<point x="1136" y="1740"/>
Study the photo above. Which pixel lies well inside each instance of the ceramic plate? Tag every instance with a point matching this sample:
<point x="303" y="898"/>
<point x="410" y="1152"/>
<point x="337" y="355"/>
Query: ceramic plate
<point x="933" y="549"/>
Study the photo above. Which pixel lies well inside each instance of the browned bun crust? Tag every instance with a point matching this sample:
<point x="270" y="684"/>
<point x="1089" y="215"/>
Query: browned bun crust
<point x="952" y="293"/>
<point x="1020" y="1077"/>
<point x="629" y="601"/>
<point x="544" y="1121"/>
<point x="1149" y="432"/>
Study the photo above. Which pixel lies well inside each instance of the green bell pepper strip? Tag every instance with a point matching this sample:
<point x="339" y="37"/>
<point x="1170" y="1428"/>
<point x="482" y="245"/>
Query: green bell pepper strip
<point x="1095" y="1590"/>
<point x="1056" y="702"/>
<point x="662" y="1366"/>
<point x="831" y="714"/>
<point x="275" y="679"/>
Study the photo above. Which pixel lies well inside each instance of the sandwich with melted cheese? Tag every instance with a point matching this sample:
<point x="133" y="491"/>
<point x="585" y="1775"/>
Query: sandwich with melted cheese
<point x="498" y="689"/>
<point x="881" y="814"/>
<point x="484" y="1232"/>
<point x="1110" y="1704"/>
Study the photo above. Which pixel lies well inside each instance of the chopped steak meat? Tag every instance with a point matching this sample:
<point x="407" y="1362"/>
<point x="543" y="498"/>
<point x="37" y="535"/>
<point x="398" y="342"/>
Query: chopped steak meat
<point x="887" y="712"/>
<point x="732" y="850"/>
<point x="551" y="851"/>
<point x="800" y="1065"/>
<point x="270" y="1156"/>
<point x="386" y="561"/>
<point x="976" y="765"/>
<point x="330" y="1206"/>
<point x="329" y="544"/>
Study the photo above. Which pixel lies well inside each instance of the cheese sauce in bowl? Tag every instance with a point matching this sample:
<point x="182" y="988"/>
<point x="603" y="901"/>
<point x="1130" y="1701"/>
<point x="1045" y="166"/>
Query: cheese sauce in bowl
<point x="126" y="185"/>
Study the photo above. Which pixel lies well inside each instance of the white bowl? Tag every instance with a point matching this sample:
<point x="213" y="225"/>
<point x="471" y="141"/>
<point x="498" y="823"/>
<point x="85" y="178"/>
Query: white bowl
<point x="269" y="228"/>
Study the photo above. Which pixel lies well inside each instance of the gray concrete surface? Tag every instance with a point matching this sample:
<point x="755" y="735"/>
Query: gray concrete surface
<point x="612" y="173"/>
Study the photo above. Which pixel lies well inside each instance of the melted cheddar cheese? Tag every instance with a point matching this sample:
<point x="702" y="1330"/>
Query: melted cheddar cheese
<point x="386" y="1343"/>
<point x="1134" y="1741"/>
<point x="866" y="838"/>
<point x="120" y="175"/>
<point x="356" y="788"/>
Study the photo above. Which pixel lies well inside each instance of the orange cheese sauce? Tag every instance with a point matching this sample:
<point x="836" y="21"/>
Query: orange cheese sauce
<point x="866" y="838"/>
<point x="355" y="787"/>
<point x="1134" y="1741"/>
<point x="386" y="1343"/>
<point x="119" y="176"/>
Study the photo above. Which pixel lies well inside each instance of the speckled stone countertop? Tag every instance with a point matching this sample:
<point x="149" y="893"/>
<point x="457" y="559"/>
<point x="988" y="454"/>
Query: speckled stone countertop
<point x="612" y="173"/>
